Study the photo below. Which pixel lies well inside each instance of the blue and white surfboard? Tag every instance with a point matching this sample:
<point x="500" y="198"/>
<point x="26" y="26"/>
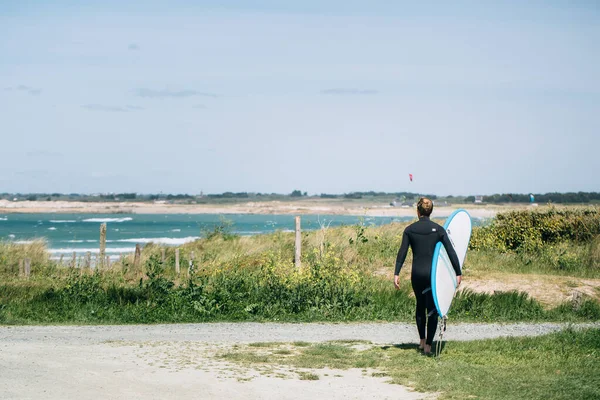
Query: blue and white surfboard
<point x="443" y="278"/>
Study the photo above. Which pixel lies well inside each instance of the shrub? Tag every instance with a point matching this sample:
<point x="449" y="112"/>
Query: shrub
<point x="532" y="230"/>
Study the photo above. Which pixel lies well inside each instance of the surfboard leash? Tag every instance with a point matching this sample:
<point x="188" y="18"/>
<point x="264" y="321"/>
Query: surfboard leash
<point x="438" y="345"/>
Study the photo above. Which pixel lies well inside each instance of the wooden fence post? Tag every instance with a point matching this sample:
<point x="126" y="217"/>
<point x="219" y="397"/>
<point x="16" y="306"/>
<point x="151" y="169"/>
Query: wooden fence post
<point x="102" y="243"/>
<point x="107" y="263"/>
<point x="88" y="260"/>
<point x="60" y="262"/>
<point x="27" y="267"/>
<point x="74" y="260"/>
<point x="298" y="242"/>
<point x="177" y="270"/>
<point x="21" y="268"/>
<point x="191" y="267"/>
<point x="136" y="257"/>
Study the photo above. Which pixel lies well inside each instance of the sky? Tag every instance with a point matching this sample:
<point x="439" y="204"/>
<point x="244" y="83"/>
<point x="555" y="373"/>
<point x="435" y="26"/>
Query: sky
<point x="471" y="97"/>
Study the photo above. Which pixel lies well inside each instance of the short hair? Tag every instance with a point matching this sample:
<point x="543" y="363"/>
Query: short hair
<point x="425" y="206"/>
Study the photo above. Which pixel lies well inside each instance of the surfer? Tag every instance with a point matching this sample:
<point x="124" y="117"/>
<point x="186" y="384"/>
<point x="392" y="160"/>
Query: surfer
<point x="422" y="236"/>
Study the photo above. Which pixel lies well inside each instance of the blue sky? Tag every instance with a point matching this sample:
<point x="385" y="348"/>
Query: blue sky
<point x="321" y="96"/>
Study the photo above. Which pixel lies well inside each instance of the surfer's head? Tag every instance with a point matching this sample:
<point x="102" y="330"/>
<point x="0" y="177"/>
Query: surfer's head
<point x="424" y="207"/>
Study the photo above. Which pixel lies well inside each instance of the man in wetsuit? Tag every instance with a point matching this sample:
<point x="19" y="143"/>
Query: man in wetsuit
<point x="422" y="236"/>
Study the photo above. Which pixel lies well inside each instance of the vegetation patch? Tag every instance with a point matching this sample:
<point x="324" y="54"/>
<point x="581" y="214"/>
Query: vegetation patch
<point x="345" y="276"/>
<point x="563" y="365"/>
<point x="308" y="376"/>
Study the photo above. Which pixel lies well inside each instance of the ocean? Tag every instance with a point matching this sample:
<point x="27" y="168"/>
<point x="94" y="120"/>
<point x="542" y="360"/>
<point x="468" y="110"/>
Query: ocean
<point x="66" y="233"/>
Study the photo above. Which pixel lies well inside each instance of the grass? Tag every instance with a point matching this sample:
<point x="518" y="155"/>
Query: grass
<point x="563" y="365"/>
<point x="564" y="259"/>
<point x="345" y="277"/>
<point x="308" y="376"/>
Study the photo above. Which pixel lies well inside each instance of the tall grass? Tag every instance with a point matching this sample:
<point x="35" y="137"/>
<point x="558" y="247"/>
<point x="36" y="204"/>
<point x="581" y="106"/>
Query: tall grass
<point x="260" y="288"/>
<point x="345" y="276"/>
<point x="11" y="254"/>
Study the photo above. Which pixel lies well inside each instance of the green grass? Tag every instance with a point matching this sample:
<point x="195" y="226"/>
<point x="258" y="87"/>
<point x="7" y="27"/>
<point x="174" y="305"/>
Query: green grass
<point x="563" y="365"/>
<point x="265" y="292"/>
<point x="308" y="376"/>
<point x="345" y="276"/>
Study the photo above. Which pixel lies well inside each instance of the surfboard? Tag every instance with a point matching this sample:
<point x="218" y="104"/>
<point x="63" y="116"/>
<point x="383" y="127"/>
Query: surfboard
<point x="443" y="278"/>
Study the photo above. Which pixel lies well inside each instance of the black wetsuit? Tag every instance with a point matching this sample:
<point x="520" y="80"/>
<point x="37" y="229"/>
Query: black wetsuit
<point x="422" y="236"/>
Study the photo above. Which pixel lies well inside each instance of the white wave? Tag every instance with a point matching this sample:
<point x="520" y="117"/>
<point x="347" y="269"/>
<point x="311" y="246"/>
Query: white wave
<point x="167" y="241"/>
<point x="24" y="241"/>
<point x="175" y="230"/>
<point x="75" y="241"/>
<point x="108" y="219"/>
<point x="52" y="228"/>
<point x="55" y="257"/>
<point x="113" y="250"/>
<point x="62" y="221"/>
<point x="11" y="236"/>
<point x="3" y="219"/>
<point x="91" y="241"/>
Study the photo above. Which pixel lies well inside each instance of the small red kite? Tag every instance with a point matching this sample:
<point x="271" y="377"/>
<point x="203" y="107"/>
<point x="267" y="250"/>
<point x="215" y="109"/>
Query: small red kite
<point x="410" y="176"/>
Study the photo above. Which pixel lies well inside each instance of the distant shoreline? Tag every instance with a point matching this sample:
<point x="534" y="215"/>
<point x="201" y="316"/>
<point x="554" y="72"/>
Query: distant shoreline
<point x="301" y="207"/>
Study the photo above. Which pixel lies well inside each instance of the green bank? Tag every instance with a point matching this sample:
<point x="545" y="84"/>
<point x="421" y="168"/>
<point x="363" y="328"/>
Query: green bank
<point x="345" y="276"/>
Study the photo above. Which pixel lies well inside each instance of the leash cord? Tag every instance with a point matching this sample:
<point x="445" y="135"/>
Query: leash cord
<point x="438" y="345"/>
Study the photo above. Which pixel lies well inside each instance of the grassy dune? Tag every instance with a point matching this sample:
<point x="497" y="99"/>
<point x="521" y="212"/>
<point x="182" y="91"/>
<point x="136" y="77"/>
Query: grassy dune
<point x="345" y="275"/>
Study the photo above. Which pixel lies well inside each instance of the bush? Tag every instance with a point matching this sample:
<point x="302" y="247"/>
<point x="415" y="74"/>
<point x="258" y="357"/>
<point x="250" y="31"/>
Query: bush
<point x="532" y="230"/>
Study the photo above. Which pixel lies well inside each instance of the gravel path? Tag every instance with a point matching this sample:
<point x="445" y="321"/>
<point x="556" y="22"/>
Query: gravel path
<point x="248" y="332"/>
<point x="176" y="361"/>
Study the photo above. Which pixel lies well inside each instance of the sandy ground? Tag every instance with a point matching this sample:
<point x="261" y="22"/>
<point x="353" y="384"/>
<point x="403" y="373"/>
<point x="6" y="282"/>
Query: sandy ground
<point x="115" y="371"/>
<point x="311" y="206"/>
<point x="178" y="361"/>
<point x="550" y="290"/>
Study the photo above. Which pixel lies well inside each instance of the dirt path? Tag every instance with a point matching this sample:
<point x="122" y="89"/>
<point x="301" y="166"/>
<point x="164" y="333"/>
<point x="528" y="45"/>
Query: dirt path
<point x="550" y="290"/>
<point x="122" y="362"/>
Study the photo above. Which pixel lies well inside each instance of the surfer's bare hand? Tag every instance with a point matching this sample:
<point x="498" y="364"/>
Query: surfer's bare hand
<point x="458" y="279"/>
<point x="396" y="282"/>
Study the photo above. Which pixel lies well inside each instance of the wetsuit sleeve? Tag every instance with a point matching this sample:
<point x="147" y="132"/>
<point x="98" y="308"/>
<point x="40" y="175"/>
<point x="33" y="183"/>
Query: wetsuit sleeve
<point x="402" y="252"/>
<point x="451" y="253"/>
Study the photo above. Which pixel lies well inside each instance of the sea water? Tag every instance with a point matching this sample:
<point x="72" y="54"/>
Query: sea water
<point x="80" y="233"/>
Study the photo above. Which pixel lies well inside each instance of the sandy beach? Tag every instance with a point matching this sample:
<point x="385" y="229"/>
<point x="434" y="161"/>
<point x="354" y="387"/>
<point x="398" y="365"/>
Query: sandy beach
<point x="301" y="207"/>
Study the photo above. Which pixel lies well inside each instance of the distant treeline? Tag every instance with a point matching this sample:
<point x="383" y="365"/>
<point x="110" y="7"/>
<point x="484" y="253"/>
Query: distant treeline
<point x="555" y="197"/>
<point x="561" y="198"/>
<point x="360" y="195"/>
<point x="229" y="195"/>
